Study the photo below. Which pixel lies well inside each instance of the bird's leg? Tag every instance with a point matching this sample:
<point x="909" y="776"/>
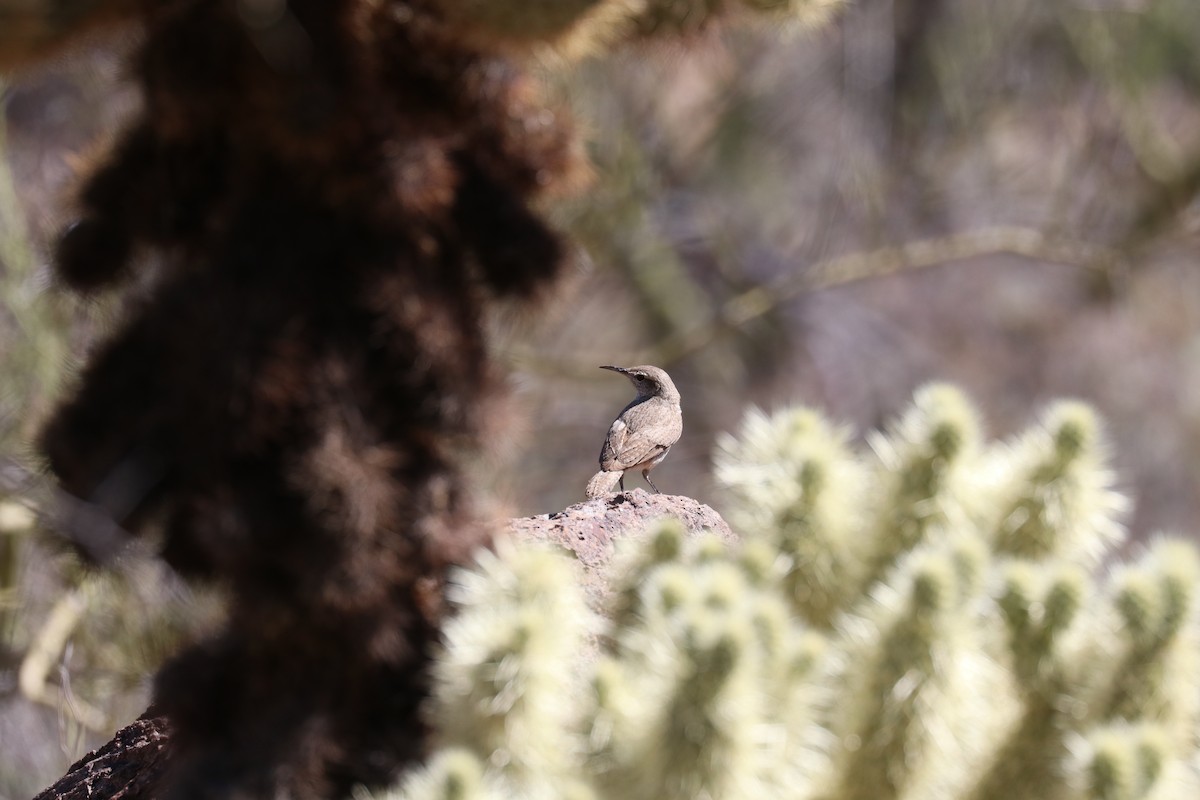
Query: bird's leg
<point x="646" y="475"/>
<point x="621" y="481"/>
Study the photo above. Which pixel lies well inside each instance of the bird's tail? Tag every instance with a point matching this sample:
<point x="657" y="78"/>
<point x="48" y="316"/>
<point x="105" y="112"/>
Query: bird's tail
<point x="603" y="483"/>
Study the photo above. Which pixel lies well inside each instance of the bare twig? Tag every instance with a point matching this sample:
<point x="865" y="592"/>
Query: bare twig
<point x="921" y="254"/>
<point x="852" y="268"/>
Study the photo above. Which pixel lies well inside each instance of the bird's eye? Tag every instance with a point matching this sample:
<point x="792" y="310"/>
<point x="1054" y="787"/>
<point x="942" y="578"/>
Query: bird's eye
<point x="640" y="378"/>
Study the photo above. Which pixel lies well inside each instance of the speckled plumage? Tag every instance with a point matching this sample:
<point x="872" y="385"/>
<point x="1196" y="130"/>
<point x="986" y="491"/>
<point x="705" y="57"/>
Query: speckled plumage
<point x="643" y="433"/>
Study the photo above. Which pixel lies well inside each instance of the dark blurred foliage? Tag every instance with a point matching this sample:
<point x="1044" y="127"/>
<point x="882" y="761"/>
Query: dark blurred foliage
<point x="1025" y="173"/>
<point x="329" y="196"/>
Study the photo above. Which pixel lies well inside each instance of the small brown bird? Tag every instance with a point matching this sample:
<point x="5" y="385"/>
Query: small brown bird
<point x="642" y="434"/>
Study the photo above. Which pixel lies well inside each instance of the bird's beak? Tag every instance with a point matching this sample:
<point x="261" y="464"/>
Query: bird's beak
<point x="621" y="370"/>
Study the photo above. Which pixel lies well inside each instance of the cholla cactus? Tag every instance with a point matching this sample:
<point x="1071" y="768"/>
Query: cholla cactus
<point x="1154" y="657"/>
<point x="917" y="497"/>
<point x="1053" y="494"/>
<point x="707" y="660"/>
<point x="919" y="621"/>
<point x="1124" y="762"/>
<point x="794" y="478"/>
<point x="913" y="653"/>
<point x="505" y="684"/>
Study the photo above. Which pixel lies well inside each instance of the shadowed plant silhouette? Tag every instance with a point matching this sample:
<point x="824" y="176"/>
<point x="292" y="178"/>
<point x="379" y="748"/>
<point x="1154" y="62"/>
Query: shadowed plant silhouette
<point x="333" y="193"/>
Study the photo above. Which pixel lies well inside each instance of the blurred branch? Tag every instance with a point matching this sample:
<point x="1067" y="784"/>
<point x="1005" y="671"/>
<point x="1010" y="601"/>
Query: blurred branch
<point x="1176" y="174"/>
<point x="15" y="520"/>
<point x="921" y="254"/>
<point x="87" y="527"/>
<point x="756" y="302"/>
<point x="1165" y="204"/>
<point x="15" y="249"/>
<point x="648" y="262"/>
<point x="32" y="362"/>
<point x="1107" y="59"/>
<point x="47" y="651"/>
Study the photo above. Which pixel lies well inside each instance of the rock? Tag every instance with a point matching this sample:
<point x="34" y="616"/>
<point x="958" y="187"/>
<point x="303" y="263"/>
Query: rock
<point x="591" y="529"/>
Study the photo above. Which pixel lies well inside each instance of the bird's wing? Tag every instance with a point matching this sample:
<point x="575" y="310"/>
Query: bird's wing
<point x="627" y="446"/>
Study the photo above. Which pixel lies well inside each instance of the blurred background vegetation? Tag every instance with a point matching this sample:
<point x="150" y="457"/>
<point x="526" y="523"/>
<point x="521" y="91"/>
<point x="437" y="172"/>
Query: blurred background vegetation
<point x="1002" y="195"/>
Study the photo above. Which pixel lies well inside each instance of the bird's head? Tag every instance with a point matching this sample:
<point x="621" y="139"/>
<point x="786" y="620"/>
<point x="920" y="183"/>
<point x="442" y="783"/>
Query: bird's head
<point x="649" y="381"/>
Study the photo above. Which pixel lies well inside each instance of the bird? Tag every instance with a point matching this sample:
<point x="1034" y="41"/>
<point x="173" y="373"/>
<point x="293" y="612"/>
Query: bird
<point x="642" y="434"/>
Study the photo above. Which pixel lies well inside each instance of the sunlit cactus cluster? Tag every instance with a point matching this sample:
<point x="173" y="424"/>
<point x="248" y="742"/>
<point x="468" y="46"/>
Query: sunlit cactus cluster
<point x="935" y="616"/>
